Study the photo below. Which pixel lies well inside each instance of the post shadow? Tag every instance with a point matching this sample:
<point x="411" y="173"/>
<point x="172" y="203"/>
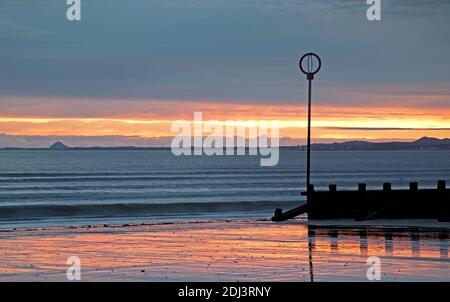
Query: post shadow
<point x="363" y="242"/>
<point x="443" y="244"/>
<point x="388" y="244"/>
<point x="334" y="240"/>
<point x="415" y="244"/>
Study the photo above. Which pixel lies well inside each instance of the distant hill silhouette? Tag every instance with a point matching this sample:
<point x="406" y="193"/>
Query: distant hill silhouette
<point x="58" y="146"/>
<point x="424" y="143"/>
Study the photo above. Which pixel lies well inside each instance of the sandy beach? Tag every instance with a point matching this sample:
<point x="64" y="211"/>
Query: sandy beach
<point x="236" y="250"/>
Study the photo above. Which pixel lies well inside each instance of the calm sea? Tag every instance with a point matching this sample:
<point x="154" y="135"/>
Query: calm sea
<point x="82" y="187"/>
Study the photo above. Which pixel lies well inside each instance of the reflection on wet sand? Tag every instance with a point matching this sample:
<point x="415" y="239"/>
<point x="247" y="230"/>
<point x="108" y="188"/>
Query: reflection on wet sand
<point x="227" y="251"/>
<point x="396" y="240"/>
<point x="363" y="242"/>
<point x="401" y="244"/>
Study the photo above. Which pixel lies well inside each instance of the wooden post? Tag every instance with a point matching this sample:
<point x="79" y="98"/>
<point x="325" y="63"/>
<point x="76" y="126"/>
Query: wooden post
<point x="387" y="186"/>
<point x="361" y="187"/>
<point x="413" y="186"/>
<point x="332" y="188"/>
<point x="278" y="214"/>
<point x="309" y="199"/>
<point x="444" y="215"/>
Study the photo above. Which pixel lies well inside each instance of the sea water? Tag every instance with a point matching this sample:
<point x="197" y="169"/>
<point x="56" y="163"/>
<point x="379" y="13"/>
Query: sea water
<point x="76" y="187"/>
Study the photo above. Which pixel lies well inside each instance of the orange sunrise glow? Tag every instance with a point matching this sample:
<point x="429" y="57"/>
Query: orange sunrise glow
<point x="329" y="122"/>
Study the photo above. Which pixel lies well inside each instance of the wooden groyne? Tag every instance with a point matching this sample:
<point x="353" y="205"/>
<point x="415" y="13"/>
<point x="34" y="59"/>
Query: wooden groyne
<point x="363" y="204"/>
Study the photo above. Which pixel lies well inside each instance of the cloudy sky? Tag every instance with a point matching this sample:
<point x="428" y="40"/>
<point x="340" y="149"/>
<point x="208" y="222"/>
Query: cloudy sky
<point x="131" y="67"/>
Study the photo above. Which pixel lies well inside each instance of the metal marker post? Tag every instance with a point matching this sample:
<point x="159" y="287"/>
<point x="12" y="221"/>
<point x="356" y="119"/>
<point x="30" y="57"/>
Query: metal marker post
<point x="309" y="67"/>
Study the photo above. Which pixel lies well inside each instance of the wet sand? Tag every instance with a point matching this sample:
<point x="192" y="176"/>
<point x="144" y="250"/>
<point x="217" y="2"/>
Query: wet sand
<point x="238" y="250"/>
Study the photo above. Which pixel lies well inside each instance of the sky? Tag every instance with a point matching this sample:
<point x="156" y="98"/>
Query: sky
<point x="130" y="68"/>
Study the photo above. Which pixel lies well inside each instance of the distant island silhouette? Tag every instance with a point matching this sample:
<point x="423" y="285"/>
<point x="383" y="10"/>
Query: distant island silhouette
<point x="58" y="146"/>
<point x="424" y="143"/>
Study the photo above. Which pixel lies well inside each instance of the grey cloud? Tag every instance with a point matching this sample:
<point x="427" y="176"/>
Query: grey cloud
<point x="219" y="50"/>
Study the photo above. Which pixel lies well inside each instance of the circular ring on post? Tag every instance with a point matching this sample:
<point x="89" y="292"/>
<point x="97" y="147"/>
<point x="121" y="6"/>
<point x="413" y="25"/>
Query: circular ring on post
<point x="310" y="69"/>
